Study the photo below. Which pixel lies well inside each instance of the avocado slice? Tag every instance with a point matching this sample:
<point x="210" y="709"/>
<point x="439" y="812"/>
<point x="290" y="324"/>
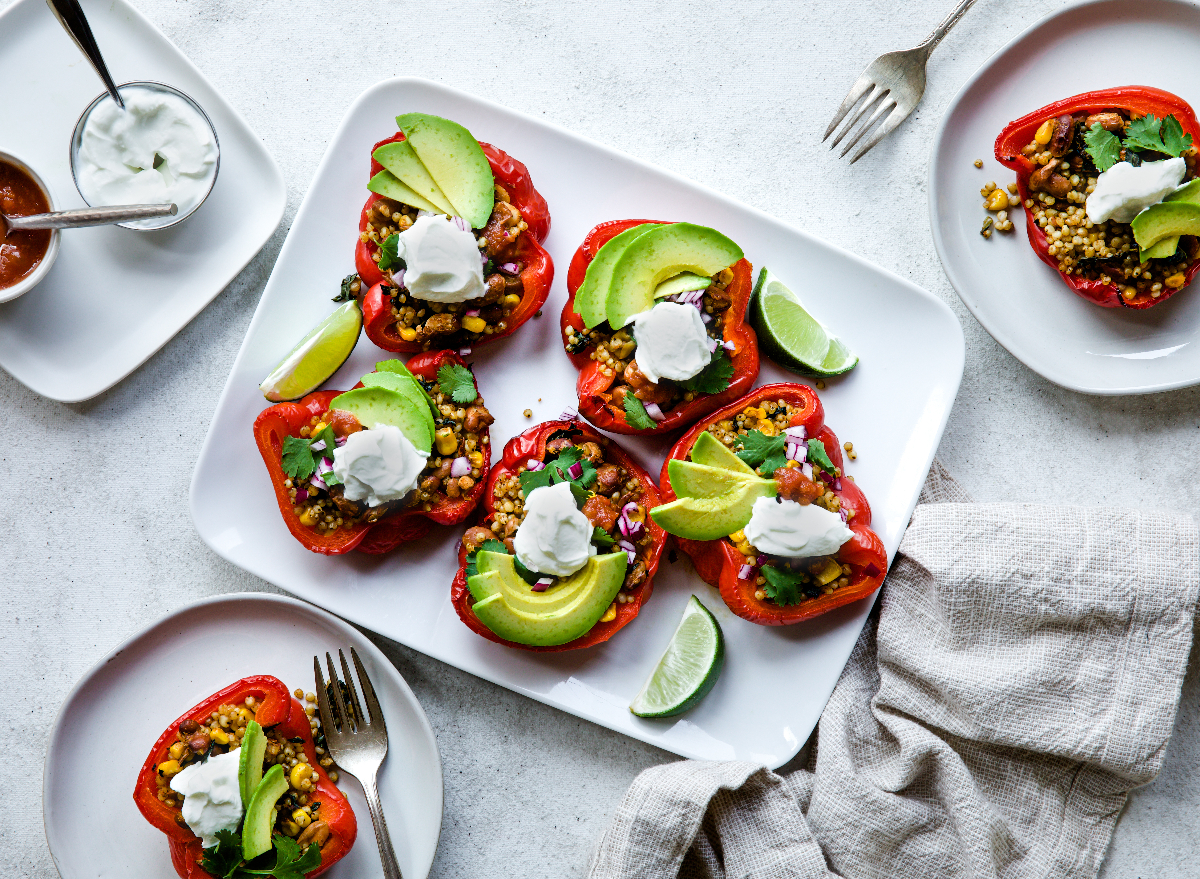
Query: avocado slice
<point x="250" y="762"/>
<point x="600" y="581"/>
<point x="377" y="406"/>
<point x="686" y="282"/>
<point x="1190" y="193"/>
<point x="592" y="293"/>
<point x="260" y="814"/>
<point x="711" y="518"/>
<point x="710" y="451"/>
<point x="659" y="254"/>
<point x="402" y="384"/>
<point x="387" y="184"/>
<point x="398" y="367"/>
<point x="496" y="569"/>
<point x="689" y="479"/>
<point x="456" y="162"/>
<point x="1165" y="220"/>
<point x="400" y="158"/>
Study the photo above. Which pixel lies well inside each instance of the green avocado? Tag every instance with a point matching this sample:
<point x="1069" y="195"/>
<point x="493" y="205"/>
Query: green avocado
<point x="405" y="385"/>
<point x="250" y="761"/>
<point x="387" y="184"/>
<point x="659" y="254"/>
<point x="689" y="479"/>
<point x="498" y="568"/>
<point x="591" y="295"/>
<point x="260" y="814"/>
<point x="378" y="406"/>
<point x="398" y="367"/>
<point x="456" y="161"/>
<point x="1190" y="193"/>
<point x="711" y="452"/>
<point x="711" y="518"/>
<point x="593" y="588"/>
<point x="681" y="283"/>
<point x="1165" y="220"/>
<point x="400" y="158"/>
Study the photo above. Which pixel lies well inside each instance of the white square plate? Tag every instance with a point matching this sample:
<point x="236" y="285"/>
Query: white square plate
<point x="1020" y="300"/>
<point x="115" y="296"/>
<point x="893" y="406"/>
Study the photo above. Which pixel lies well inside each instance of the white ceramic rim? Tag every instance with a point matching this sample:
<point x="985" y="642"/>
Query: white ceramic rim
<point x="1006" y="341"/>
<point x="376" y="654"/>
<point x="77" y="140"/>
<point x="7" y="294"/>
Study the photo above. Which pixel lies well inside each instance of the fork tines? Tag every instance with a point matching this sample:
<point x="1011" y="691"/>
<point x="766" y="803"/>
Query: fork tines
<point x="346" y="714"/>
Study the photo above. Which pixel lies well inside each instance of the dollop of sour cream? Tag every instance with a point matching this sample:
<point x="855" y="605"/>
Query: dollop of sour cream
<point x="555" y="536"/>
<point x="378" y="465"/>
<point x="785" y="528"/>
<point x="212" y="799"/>
<point x="157" y="150"/>
<point x="442" y="261"/>
<point x="671" y="342"/>
<point x="1124" y="191"/>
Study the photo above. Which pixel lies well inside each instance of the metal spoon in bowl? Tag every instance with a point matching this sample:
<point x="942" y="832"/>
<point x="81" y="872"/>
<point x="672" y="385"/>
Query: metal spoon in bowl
<point x="85" y="217"/>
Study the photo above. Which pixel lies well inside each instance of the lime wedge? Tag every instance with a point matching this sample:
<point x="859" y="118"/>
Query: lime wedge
<point x="792" y="337"/>
<point x="318" y="356"/>
<point x="689" y="668"/>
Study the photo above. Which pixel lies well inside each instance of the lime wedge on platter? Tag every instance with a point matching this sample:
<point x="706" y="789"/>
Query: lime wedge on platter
<point x="318" y="356"/>
<point x="689" y="668"/>
<point x="791" y="336"/>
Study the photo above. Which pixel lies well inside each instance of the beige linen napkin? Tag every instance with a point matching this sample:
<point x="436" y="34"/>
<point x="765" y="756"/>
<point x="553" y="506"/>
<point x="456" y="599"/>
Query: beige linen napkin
<point x="1020" y="676"/>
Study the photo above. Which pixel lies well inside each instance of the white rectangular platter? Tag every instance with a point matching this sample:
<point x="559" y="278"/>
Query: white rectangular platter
<point x="893" y="406"/>
<point x="115" y="296"/>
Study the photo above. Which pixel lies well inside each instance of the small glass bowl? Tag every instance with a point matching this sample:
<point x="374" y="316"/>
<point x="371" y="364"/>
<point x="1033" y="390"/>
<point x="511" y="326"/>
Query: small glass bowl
<point x="43" y="268"/>
<point x="77" y="142"/>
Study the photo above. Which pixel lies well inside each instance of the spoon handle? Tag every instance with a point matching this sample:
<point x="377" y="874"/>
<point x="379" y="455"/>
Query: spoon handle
<point x="70" y="15"/>
<point x="91" y="217"/>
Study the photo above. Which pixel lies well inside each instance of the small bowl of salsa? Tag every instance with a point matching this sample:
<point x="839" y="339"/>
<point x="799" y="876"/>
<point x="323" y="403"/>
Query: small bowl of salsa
<point x="25" y="257"/>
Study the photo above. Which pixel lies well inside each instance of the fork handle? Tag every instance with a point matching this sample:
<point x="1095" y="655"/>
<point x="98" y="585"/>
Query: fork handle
<point x="391" y="870"/>
<point x="944" y="28"/>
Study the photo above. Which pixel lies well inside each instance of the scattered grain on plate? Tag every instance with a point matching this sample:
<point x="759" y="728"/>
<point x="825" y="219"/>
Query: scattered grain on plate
<point x="528" y="413"/>
<point x="979" y="163"/>
<point x="820" y="385"/>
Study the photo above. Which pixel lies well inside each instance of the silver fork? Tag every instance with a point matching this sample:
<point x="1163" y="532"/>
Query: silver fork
<point x="357" y="742"/>
<point x="892" y="86"/>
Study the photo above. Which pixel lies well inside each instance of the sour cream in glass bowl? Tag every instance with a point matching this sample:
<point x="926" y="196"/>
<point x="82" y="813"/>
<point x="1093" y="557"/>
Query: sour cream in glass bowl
<point x="161" y="148"/>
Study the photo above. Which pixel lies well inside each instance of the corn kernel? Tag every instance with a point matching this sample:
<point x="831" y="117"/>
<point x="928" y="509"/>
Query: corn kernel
<point x="309" y="517"/>
<point x="1045" y="132"/>
<point x="446" y="441"/>
<point x="738" y="536"/>
<point x="512" y="300"/>
<point x="768" y="428"/>
<point x="169" y="768"/>
<point x="474" y="324"/>
<point x="476" y="459"/>
<point x="291" y="828"/>
<point x="299" y="774"/>
<point x="1176" y="280"/>
<point x="826" y="572"/>
<point x="408" y="334"/>
<point x="997" y="201"/>
<point x="610" y="614"/>
<point x="302" y="818"/>
<point x="219" y="735"/>
<point x="177" y="750"/>
<point x="244" y="716"/>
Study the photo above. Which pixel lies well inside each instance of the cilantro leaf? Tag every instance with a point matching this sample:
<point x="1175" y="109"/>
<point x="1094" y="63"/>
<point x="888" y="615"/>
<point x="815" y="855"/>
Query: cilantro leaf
<point x="457" y="383"/>
<point x="531" y="479"/>
<point x="560" y="467"/>
<point x="635" y="414"/>
<point x="1157" y="135"/>
<point x="767" y="453"/>
<point x="487" y="546"/>
<point x="297" y="458"/>
<point x="330" y="440"/>
<point x="818" y="455"/>
<point x="782" y="586"/>
<point x="714" y="378"/>
<point x="290" y="861"/>
<point x="1173" y="138"/>
<point x="602" y="537"/>
<point x="1103" y="146"/>
<point x="223" y="859"/>
<point x="525" y="574"/>
<point x="389" y="254"/>
<point x="346" y="294"/>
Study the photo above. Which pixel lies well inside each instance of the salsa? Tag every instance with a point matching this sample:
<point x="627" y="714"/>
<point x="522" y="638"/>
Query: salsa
<point x="21" y="252"/>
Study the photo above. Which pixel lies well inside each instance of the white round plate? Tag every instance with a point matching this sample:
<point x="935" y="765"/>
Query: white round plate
<point x="114" y="715"/>
<point x="1021" y="301"/>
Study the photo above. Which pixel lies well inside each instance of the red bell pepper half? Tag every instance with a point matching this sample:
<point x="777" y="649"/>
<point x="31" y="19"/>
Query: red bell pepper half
<point x="592" y="387"/>
<point x="1138" y="100"/>
<point x="273" y="425"/>
<point x="375" y="295"/>
<point x="718" y="562"/>
<point x="532" y="444"/>
<point x="277" y="710"/>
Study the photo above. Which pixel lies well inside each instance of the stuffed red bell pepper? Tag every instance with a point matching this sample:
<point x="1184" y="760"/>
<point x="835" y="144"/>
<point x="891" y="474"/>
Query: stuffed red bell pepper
<point x="1105" y="178"/>
<point x="757" y="497"/>
<point x="198" y="781"/>
<point x="681" y="348"/>
<point x="449" y="252"/>
<point x="566" y="556"/>
<point x="422" y="463"/>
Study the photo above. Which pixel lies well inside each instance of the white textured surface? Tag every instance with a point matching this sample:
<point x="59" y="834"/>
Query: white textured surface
<point x="95" y="498"/>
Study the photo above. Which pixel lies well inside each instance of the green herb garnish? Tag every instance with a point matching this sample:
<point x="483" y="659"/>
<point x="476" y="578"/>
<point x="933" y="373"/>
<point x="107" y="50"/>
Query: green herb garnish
<point x="714" y="378"/>
<point x="487" y="546"/>
<point x="1149" y="134"/>
<point x="636" y="415"/>
<point x="1103" y="146"/>
<point x="766" y="453"/>
<point x="558" y="470"/>
<point x="782" y="586"/>
<point x="457" y="383"/>
<point x="602" y="537"/>
<point x="298" y="460"/>
<point x="224" y="860"/>
<point x="346" y="294"/>
<point x="817" y="455"/>
<point x="389" y="254"/>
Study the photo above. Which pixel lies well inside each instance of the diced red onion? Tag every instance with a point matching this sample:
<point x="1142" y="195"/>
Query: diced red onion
<point x="427" y="214"/>
<point x="654" y="411"/>
<point x="837" y="484"/>
<point x="471" y="312"/>
<point x="398" y="277"/>
<point x="461" y="223"/>
<point x="744" y="572"/>
<point x="460" y="467"/>
<point x="623" y="525"/>
<point x="483" y="257"/>
<point x="543" y="584"/>
<point x="872" y="570"/>
<point x="569" y="414"/>
<point x="464" y="352"/>
<point x="798" y="432"/>
<point x="576" y="470"/>
<point x="510" y="267"/>
<point x="797" y="451"/>
<point x="629" y="508"/>
<point x="534" y="465"/>
<point x="845" y="518"/>
<point x="302" y="495"/>
<point x="341" y="441"/>
<point x="807" y="470"/>
<point x="713" y="345"/>
<point x="707" y="318"/>
<point x="318" y="482"/>
<point x="318" y="446"/>
<point x="728" y="346"/>
<point x="761" y="560"/>
<point x="626" y="545"/>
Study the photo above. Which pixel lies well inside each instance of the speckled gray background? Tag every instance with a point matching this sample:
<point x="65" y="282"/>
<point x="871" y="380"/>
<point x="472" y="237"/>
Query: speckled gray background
<point x="97" y="545"/>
